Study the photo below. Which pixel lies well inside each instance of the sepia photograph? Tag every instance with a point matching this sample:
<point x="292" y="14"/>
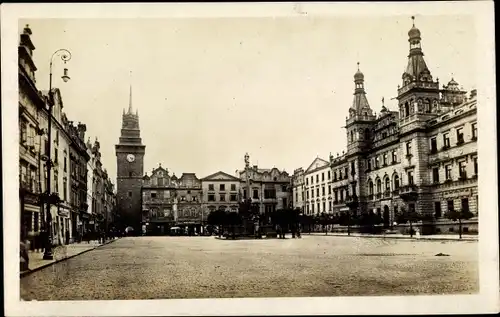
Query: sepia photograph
<point x="230" y="153"/>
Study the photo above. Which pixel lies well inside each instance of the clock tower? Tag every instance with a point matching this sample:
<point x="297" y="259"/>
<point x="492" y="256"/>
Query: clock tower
<point x="130" y="169"/>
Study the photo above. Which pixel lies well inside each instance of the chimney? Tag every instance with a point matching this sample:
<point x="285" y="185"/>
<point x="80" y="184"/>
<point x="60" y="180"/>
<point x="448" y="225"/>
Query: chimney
<point x="82" y="128"/>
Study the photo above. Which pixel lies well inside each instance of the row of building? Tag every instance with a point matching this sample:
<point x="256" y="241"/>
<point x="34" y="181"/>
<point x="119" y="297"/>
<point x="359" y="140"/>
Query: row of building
<point x="81" y="192"/>
<point x="421" y="157"/>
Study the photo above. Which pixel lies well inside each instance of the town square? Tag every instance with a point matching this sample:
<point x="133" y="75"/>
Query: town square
<point x="250" y="157"/>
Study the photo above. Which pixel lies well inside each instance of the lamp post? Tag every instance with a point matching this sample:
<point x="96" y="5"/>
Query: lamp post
<point x="65" y="56"/>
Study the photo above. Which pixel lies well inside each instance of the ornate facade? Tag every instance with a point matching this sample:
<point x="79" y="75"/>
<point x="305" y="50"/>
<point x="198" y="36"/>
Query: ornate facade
<point x="420" y="158"/>
<point x="269" y="189"/>
<point x="169" y="201"/>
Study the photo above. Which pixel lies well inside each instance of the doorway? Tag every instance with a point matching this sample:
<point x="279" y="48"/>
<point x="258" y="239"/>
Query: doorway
<point x="386" y="217"/>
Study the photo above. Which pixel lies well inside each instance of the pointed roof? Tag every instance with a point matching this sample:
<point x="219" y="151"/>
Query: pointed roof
<point x="360" y="104"/>
<point x="416" y="66"/>
<point x="220" y="175"/>
<point x="317" y="163"/>
<point x="130" y="101"/>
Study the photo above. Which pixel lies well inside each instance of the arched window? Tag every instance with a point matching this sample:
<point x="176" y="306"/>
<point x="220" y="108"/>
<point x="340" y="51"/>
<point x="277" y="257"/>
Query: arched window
<point x="387" y="184"/>
<point x="407" y="109"/>
<point x="370" y="188"/>
<point x="396" y="181"/>
<point x="379" y="186"/>
<point x="352" y="136"/>
<point x="367" y="134"/>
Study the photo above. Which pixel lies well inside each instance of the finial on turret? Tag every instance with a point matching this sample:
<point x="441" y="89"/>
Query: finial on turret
<point x="358" y="66"/>
<point x="413" y="19"/>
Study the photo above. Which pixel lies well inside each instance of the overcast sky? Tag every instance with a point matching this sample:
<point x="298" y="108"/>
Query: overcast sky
<point x="209" y="90"/>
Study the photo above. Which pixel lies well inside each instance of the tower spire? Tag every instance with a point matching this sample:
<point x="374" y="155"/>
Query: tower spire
<point x="130" y="95"/>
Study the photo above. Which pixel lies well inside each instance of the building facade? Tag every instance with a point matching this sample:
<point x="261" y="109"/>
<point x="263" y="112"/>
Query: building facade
<point x="168" y="201"/>
<point x="318" y="188"/>
<point x="130" y="170"/>
<point x="299" y="189"/>
<point x="421" y="158"/>
<point x="78" y="160"/>
<point x="220" y="192"/>
<point x="269" y="189"/>
<point x="31" y="102"/>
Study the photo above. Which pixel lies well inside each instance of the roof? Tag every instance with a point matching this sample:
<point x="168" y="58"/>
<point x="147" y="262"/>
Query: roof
<point x="220" y="175"/>
<point x="316" y="164"/>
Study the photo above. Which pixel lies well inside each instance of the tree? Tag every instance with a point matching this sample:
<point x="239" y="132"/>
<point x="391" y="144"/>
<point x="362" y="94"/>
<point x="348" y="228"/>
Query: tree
<point x="459" y="215"/>
<point x="409" y="216"/>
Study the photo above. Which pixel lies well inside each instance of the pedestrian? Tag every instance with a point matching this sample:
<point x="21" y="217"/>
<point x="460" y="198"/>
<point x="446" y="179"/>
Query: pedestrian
<point x="24" y="256"/>
<point x="67" y="237"/>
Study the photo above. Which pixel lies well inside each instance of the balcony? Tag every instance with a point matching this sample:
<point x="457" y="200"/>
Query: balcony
<point x="395" y="192"/>
<point x="378" y="195"/>
<point x="387" y="193"/>
<point x="408" y="192"/>
<point x="463" y="176"/>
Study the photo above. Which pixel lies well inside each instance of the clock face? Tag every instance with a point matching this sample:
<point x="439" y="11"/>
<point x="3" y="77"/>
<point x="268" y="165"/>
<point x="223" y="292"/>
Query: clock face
<point x="130" y="158"/>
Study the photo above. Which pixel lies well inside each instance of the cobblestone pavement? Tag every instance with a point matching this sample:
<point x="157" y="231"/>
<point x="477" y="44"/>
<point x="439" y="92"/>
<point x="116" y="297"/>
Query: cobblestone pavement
<point x="197" y="267"/>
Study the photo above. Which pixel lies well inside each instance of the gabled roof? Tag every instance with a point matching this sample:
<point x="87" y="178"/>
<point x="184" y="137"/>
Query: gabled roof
<point x="317" y="163"/>
<point x="220" y="176"/>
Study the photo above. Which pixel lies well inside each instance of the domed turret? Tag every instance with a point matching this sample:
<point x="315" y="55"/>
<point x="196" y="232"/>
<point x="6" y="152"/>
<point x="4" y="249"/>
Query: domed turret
<point x="359" y="76"/>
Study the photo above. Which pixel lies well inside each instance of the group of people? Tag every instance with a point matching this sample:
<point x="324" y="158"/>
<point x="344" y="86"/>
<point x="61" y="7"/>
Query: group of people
<point x="282" y="231"/>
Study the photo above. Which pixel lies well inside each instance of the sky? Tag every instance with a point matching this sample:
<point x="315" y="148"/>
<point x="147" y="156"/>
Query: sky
<point x="209" y="90"/>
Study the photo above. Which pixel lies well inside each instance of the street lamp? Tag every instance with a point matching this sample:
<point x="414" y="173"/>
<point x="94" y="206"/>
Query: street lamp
<point x="65" y="56"/>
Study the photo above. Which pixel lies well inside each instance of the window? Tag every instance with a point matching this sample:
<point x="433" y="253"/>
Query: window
<point x="377" y="162"/>
<point x="329" y="189"/>
<point x="233" y="197"/>
<point x="319" y="208"/>
<point x="460" y="135"/>
<point x="317" y="178"/>
<point x="387" y="185"/>
<point x="461" y="170"/>
<point x="153" y="195"/>
<point x="307" y="194"/>
<point x="465" y="204"/>
<point x="394" y="157"/>
<point x="312" y="180"/>
<point x="65" y="164"/>
<point x="340" y="174"/>
<point x="435" y="175"/>
<point x="330" y="205"/>
<point x="336" y="196"/>
<point x="256" y="194"/>
<point x="183" y="198"/>
<point x="329" y="175"/>
<point x="317" y="192"/>
<point x="410" y="177"/>
<point x="346" y="172"/>
<point x="370" y="188"/>
<point x="451" y="206"/>
<point x="56" y="157"/>
<point x="324" y="206"/>
<point x="341" y="195"/>
<point x="130" y="174"/>
<point x="322" y="177"/>
<point x="334" y="176"/>
<point x="269" y="193"/>
<point x="193" y="198"/>
<point x="222" y="187"/>
<point x="296" y="197"/>
<point x="323" y="190"/>
<point x="385" y="159"/>
<point x="56" y="183"/>
<point x="379" y="186"/>
<point x="211" y="197"/>
<point x="233" y="187"/>
<point x="447" y="170"/>
<point x="307" y="181"/>
<point x="65" y="189"/>
<point x="312" y="208"/>
<point x="369" y="163"/>
<point x="408" y="148"/>
<point x="474" y="131"/>
<point x="475" y="166"/>
<point x="222" y="197"/>
<point x="437" y="209"/>
<point x="211" y="187"/>
<point x="24" y="131"/>
<point x="353" y="169"/>
<point x="129" y="194"/>
<point x="446" y="140"/>
<point x="433" y="145"/>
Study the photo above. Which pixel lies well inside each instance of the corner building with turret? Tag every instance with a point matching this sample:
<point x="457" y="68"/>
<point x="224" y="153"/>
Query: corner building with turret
<point x="420" y="158"/>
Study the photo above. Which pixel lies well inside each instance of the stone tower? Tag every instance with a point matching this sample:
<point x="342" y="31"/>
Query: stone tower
<point x="418" y="100"/>
<point x="359" y="126"/>
<point x="130" y="169"/>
